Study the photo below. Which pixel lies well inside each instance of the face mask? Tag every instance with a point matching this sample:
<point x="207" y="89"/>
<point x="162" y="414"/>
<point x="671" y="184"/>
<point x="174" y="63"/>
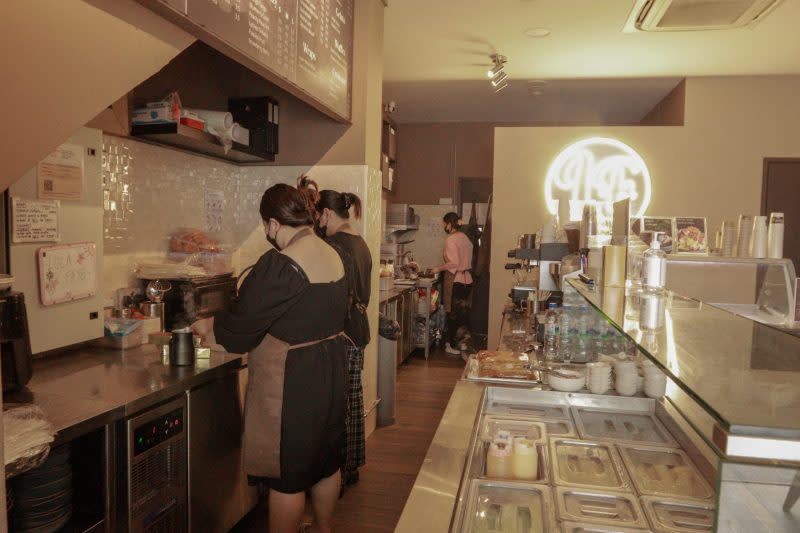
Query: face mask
<point x="273" y="240"/>
<point x="321" y="229"/>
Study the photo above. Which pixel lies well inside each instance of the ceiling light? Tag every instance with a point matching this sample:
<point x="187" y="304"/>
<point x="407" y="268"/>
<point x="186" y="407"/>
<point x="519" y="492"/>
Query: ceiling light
<point x="501" y="78"/>
<point x="537" y="32"/>
<point x="500" y="87"/>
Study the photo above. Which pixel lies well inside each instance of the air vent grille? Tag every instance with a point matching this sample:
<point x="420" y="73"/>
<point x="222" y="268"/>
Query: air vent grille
<point x="687" y="15"/>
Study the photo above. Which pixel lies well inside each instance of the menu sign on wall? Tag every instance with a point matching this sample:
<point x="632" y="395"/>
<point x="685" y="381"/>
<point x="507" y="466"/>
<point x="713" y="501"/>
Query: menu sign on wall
<point x="307" y="42"/>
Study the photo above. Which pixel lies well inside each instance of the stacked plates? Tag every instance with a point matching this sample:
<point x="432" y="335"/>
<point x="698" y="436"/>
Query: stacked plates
<point x="598" y="377"/>
<point x="42" y="497"/>
<point x="728" y="238"/>
<point x="745" y="233"/>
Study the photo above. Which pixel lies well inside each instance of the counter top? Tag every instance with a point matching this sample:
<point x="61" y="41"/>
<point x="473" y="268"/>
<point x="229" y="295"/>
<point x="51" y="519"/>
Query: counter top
<point x="86" y="388"/>
<point x="391" y="294"/>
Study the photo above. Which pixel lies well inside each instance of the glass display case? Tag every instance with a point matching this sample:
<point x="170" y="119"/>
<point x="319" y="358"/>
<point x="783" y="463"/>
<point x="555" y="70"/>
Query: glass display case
<point x="720" y="452"/>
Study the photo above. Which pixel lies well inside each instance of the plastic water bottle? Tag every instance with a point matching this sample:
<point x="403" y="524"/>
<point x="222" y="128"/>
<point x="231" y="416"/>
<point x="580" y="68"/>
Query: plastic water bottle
<point x="564" y="344"/>
<point x="550" y="332"/>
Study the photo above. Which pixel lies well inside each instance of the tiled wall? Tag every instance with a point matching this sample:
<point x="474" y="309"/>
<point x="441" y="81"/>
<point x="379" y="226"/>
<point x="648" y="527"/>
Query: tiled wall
<point x="150" y="191"/>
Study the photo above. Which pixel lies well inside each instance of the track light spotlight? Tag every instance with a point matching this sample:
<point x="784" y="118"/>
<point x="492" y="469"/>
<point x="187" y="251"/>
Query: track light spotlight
<point x="501" y="78"/>
<point x="500" y="87"/>
<point x="495" y="70"/>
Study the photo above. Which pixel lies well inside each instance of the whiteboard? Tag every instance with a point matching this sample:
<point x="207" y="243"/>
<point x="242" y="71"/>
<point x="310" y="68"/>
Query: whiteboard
<point x="67" y="272"/>
<point x="34" y="220"/>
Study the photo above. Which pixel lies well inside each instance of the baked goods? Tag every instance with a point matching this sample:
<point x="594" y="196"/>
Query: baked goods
<point x="503" y="364"/>
<point x="192" y="241"/>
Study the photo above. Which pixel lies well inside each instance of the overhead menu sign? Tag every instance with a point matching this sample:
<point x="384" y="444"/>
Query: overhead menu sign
<point x="307" y="42"/>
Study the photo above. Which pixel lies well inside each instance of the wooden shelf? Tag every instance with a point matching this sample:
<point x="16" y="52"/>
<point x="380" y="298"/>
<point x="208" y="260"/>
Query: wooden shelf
<point x="198" y="142"/>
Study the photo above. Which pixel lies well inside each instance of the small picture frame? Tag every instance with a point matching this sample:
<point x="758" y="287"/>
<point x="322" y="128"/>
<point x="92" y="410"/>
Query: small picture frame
<point x="644" y="226"/>
<point x="690" y="235"/>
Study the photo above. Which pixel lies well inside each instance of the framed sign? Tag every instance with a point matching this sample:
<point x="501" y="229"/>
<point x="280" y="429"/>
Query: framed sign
<point x="67" y="272"/>
<point x="644" y="226"/>
<point x="690" y="235"/>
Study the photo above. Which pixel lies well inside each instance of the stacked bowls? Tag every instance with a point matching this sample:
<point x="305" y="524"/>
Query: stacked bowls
<point x="598" y="377"/>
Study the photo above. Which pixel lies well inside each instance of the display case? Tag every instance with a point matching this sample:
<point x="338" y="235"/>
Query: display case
<point x="720" y="452"/>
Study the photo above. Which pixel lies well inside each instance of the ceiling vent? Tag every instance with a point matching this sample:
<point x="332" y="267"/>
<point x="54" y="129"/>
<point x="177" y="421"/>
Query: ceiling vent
<point x="692" y="15"/>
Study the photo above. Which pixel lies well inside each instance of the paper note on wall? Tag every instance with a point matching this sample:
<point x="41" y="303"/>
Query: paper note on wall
<point x="215" y="210"/>
<point x="60" y="174"/>
<point x="34" y="220"/>
<point x="67" y="272"/>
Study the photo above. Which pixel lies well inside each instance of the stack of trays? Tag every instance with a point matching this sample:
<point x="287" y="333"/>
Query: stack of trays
<point x="42" y="497"/>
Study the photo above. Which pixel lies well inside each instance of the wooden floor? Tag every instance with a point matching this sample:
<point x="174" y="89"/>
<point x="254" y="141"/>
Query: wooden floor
<point x="394" y="453"/>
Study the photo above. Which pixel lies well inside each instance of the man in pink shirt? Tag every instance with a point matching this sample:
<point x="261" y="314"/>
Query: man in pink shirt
<point x="457" y="280"/>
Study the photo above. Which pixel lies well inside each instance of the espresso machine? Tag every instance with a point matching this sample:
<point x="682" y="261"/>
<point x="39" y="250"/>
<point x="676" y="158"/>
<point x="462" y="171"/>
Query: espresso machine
<point x="15" y="343"/>
<point x="535" y="268"/>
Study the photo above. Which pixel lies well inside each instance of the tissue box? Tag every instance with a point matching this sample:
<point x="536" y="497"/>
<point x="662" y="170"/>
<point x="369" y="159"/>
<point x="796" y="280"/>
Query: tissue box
<point x="155" y="113"/>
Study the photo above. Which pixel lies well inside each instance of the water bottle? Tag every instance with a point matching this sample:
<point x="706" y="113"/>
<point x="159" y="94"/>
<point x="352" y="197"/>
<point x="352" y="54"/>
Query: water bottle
<point x="550" y="327"/>
<point x="564" y="344"/>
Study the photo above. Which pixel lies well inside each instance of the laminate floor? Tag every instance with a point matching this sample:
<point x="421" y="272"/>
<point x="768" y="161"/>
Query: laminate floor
<point x="394" y="453"/>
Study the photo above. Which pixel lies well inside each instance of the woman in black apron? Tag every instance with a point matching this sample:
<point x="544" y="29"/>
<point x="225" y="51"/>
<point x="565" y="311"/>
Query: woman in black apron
<point x="290" y="318"/>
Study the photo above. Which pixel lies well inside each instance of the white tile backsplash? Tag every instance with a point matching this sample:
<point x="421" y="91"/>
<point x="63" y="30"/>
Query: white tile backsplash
<point x="167" y="190"/>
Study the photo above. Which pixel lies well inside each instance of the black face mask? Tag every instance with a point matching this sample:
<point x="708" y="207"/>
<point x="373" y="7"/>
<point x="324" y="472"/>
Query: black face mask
<point x="273" y="241"/>
<point x="321" y="231"/>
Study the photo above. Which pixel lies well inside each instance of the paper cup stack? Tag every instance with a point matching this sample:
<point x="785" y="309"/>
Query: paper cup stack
<point x="745" y="233"/>
<point x="655" y="381"/>
<point x="627" y="377"/>
<point x="728" y="238"/>
<point x="598" y="377"/>
<point x="759" y="241"/>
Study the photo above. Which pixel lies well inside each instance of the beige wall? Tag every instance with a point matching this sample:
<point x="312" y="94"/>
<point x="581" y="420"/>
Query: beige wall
<point x="711" y="166"/>
<point x="431" y="158"/>
<point x="66" y="61"/>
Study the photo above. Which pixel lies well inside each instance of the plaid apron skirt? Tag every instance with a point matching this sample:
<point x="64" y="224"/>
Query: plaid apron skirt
<point x="355" y="447"/>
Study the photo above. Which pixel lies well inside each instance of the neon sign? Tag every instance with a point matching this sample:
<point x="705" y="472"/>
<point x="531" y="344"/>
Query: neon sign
<point x="597" y="170"/>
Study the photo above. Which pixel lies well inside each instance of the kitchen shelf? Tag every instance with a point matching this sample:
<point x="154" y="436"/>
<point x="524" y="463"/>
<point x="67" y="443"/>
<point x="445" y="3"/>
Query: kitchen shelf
<point x="199" y="142"/>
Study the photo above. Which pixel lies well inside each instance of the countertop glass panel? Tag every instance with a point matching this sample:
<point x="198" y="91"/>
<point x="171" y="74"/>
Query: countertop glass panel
<point x="744" y="374"/>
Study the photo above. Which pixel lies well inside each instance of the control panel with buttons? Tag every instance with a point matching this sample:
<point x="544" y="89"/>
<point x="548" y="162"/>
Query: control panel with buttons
<point x="156" y="431"/>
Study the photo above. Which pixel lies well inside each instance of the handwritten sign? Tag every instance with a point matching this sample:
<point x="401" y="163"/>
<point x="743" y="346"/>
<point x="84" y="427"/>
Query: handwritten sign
<point x="60" y="174"/>
<point x="35" y="220"/>
<point x="67" y="272"/>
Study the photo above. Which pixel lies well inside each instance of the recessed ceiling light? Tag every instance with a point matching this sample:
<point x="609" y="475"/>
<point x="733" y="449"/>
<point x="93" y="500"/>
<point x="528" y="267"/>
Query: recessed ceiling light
<point x="537" y="32"/>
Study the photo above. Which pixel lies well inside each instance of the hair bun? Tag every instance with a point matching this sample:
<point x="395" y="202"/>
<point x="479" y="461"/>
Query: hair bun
<point x="347" y="200"/>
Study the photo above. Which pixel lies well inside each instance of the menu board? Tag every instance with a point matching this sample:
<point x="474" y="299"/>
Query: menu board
<point x="307" y="42"/>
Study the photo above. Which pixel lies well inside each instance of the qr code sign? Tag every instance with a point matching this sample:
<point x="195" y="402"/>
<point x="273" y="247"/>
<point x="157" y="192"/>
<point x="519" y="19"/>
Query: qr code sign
<point x="48" y="185"/>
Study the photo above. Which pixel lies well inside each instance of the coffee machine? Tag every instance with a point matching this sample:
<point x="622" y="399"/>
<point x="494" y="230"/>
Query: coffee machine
<point x="15" y="343"/>
<point x="534" y="269"/>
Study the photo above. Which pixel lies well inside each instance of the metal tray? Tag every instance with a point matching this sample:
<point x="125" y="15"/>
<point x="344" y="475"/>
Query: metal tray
<point x="584" y="527"/>
<point x="599" y="507"/>
<point x="518" y="427"/>
<point x="679" y="515"/>
<point x="621" y="426"/>
<point x="591" y="465"/>
<point x="478" y="464"/>
<point x="559" y="428"/>
<point x="528" y="507"/>
<point x="664" y="472"/>
<point x="519" y="402"/>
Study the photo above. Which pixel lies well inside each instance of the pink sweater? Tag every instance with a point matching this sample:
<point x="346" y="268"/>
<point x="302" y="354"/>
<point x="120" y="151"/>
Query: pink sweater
<point x="458" y="257"/>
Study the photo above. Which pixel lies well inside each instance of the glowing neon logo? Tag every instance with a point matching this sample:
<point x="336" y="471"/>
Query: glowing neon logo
<point x="597" y="170"/>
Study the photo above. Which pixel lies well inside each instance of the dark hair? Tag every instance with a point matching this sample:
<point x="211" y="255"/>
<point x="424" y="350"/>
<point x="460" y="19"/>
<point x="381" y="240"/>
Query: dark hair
<point x="339" y="203"/>
<point x="287" y="205"/>
<point x="452" y="219"/>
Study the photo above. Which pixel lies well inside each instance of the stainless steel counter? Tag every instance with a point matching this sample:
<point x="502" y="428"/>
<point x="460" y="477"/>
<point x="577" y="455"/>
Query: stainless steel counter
<point x="87" y="388"/>
<point x="433" y="497"/>
<point x="391" y="294"/>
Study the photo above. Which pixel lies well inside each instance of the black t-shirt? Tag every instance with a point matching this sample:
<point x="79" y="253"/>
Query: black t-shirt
<point x="360" y="270"/>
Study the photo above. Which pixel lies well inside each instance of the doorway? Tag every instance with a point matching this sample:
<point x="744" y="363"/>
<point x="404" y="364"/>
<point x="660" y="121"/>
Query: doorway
<point x="781" y="193"/>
